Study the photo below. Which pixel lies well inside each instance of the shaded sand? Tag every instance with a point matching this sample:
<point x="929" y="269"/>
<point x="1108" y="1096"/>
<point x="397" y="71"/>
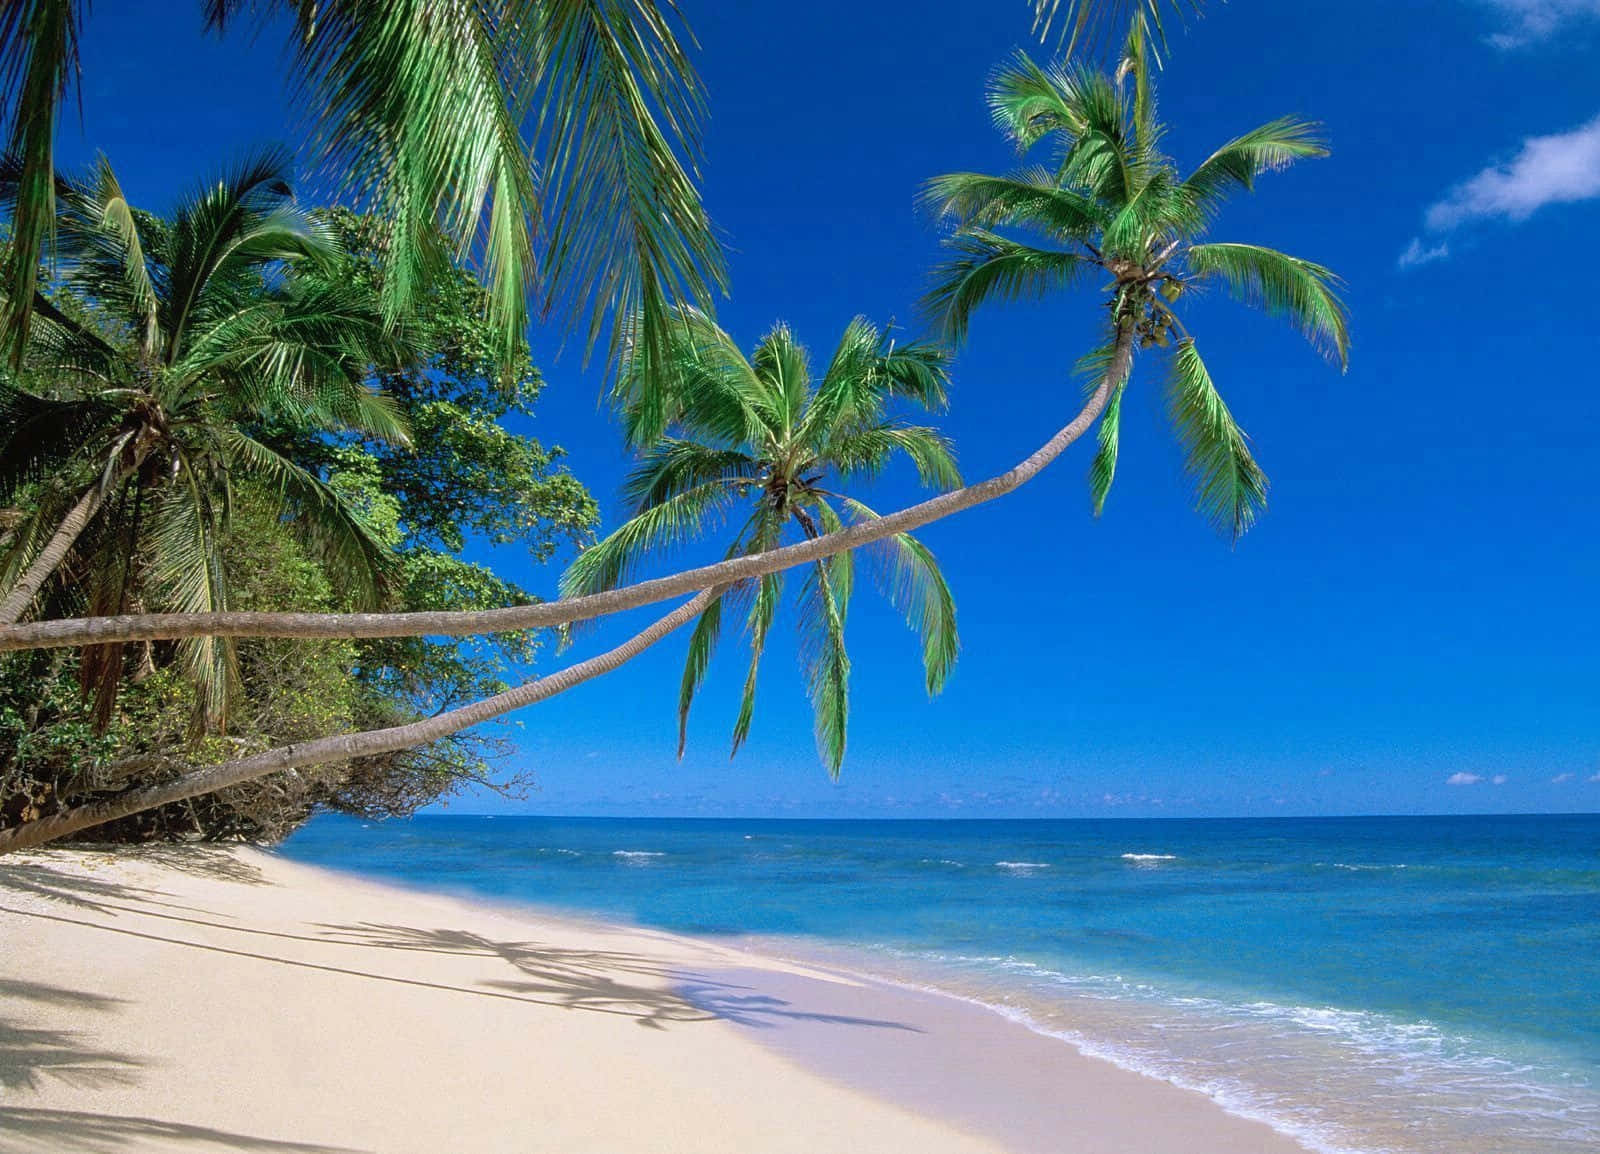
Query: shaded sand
<point x="226" y="1000"/>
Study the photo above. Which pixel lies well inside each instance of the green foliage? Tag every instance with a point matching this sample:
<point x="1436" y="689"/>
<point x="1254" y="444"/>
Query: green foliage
<point x="1111" y="202"/>
<point x="419" y="109"/>
<point x="173" y="335"/>
<point x="766" y="440"/>
<point x="277" y="508"/>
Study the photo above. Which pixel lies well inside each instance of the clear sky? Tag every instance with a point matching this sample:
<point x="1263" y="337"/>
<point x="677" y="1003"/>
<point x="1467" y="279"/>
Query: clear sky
<point x="1411" y="627"/>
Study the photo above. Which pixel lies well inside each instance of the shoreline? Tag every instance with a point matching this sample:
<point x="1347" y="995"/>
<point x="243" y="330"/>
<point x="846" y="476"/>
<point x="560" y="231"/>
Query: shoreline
<point x="195" y="998"/>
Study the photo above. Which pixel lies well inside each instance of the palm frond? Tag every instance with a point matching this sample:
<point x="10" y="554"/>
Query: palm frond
<point x="914" y="584"/>
<point x="675" y="465"/>
<point x="702" y="644"/>
<point x="1230" y="488"/>
<point x="1092" y="369"/>
<point x="990" y="267"/>
<point x="187" y="572"/>
<point x="869" y="368"/>
<point x="1090" y="24"/>
<point x="1304" y="293"/>
<point x="612" y="560"/>
<point x="763" y="609"/>
<point x="38" y="63"/>
<point x="702" y="382"/>
<point x="618" y="116"/>
<point x="39" y="436"/>
<point x="246" y="215"/>
<point x="1273" y="146"/>
<point x="1028" y="199"/>
<point x="353" y="555"/>
<point x="783" y="364"/>
<point x="825" y="663"/>
<point x="866" y="452"/>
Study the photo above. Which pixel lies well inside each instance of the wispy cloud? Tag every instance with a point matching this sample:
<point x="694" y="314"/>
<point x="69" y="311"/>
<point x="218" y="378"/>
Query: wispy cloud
<point x="1530" y="21"/>
<point x="1463" y="779"/>
<point x="1561" y="778"/>
<point x="1562" y="168"/>
<point x="1595" y="780"/>
<point x="1499" y="779"/>
<point x="1558" y="169"/>
<point x="1418" y="253"/>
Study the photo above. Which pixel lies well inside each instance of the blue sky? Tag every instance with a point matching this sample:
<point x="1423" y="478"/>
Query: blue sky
<point x="1412" y="626"/>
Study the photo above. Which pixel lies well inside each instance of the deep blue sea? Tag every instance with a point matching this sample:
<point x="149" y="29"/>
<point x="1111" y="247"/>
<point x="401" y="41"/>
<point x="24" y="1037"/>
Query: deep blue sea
<point x="1402" y="984"/>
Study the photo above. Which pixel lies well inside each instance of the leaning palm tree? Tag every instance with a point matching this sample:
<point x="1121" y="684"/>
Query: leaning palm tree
<point x="495" y="121"/>
<point x="128" y="423"/>
<point x="766" y="442"/>
<point x="1110" y="203"/>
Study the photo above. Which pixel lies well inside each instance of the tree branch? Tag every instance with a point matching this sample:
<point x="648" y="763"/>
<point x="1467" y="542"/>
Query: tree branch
<point x="344" y="746"/>
<point x="171" y="626"/>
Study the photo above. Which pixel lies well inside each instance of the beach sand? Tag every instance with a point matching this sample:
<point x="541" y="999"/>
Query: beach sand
<point x="198" y="999"/>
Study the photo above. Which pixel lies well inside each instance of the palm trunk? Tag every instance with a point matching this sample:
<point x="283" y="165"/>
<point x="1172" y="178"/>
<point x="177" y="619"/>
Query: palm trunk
<point x="60" y="544"/>
<point x="172" y="626"/>
<point x="345" y="746"/>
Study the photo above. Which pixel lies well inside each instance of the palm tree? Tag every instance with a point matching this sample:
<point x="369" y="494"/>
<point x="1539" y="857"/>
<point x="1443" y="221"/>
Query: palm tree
<point x="764" y="440"/>
<point x="1110" y="203"/>
<point x="127" y="425"/>
<point x="494" y="119"/>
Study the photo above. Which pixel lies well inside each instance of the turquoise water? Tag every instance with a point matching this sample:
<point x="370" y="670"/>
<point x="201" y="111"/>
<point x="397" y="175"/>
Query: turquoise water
<point x="1368" y="984"/>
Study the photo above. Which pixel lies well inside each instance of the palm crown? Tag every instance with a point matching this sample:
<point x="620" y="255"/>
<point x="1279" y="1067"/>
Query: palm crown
<point x="167" y="341"/>
<point x="1110" y="203"/>
<point x="764" y="439"/>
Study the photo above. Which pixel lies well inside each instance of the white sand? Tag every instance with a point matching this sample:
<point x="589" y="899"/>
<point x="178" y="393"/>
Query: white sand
<point x="210" y="1000"/>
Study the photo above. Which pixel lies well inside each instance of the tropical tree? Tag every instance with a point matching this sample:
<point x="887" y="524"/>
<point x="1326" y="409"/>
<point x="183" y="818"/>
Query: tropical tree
<point x="494" y="120"/>
<point x="127" y="425"/>
<point x="765" y="441"/>
<point x="1110" y="203"/>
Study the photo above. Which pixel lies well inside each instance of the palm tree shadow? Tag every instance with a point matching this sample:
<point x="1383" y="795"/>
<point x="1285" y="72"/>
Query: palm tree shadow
<point x="31" y="1054"/>
<point x="655" y="994"/>
<point x="33" y="1131"/>
<point x="82" y="890"/>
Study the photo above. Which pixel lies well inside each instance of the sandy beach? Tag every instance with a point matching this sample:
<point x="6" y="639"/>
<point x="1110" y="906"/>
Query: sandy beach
<point x="204" y="999"/>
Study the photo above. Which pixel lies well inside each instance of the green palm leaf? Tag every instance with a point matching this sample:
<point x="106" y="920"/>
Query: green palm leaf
<point x="825" y="663"/>
<point x="1273" y="146"/>
<point x="1230" y="488"/>
<point x="675" y="465"/>
<point x="350" y="551"/>
<point x="864" y="453"/>
<point x="702" y="644"/>
<point x="612" y="560"/>
<point x="1303" y="292"/>
<point x="991" y="268"/>
<point x="915" y="585"/>
<point x="38" y="62"/>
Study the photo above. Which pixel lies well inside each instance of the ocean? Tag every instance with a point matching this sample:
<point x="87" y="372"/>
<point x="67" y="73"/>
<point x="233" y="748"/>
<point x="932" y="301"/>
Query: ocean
<point x="1388" y="985"/>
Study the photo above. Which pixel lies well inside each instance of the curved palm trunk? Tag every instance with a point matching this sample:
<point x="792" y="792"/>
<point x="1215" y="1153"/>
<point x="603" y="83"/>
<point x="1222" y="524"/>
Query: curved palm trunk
<point x="170" y="626"/>
<point x="345" y="746"/>
<point x="342" y="747"/>
<point x="60" y="544"/>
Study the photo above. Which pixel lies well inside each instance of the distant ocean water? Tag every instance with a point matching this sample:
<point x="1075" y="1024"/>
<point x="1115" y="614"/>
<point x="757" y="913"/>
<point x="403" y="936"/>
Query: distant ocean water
<point x="1383" y="985"/>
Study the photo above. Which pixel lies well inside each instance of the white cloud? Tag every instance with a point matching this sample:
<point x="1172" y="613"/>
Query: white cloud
<point x="1558" y="169"/>
<point x="1560" y="778"/>
<point x="1463" y="779"/>
<point x="1499" y="779"/>
<point x="1419" y="253"/>
<point x="1532" y="20"/>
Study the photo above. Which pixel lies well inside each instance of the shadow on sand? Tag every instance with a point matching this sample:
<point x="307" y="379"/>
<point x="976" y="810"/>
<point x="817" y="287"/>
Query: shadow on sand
<point x="82" y="1132"/>
<point x="653" y="993"/>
